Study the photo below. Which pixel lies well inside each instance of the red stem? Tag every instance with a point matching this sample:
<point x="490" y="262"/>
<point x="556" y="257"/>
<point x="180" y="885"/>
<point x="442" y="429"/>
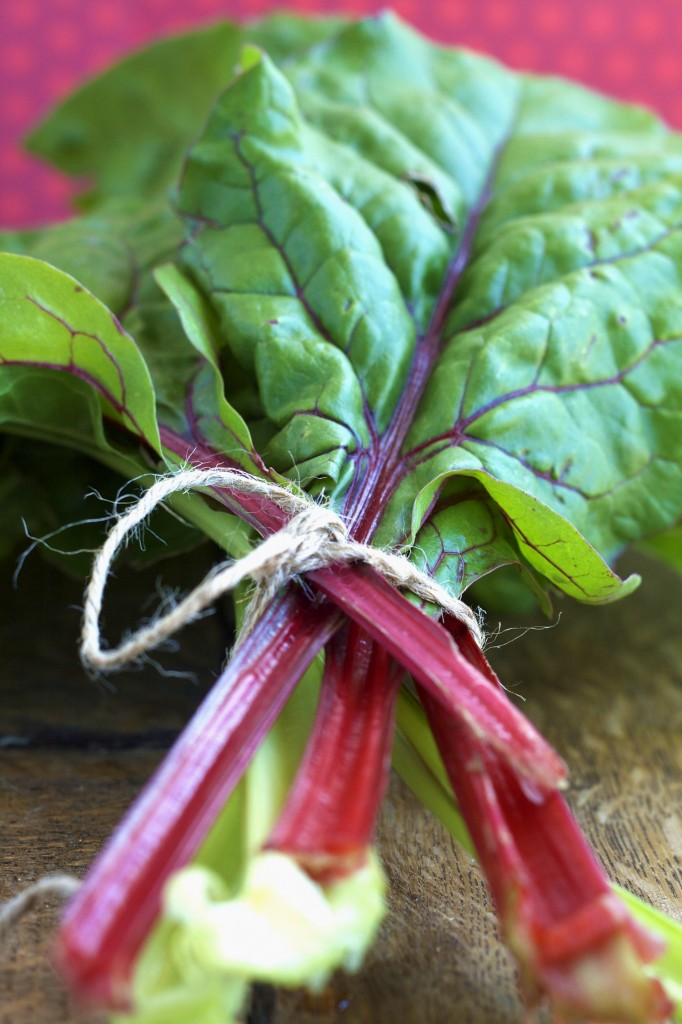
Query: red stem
<point x="527" y="844"/>
<point x="421" y="645"/>
<point x="428" y="652"/>
<point x="261" y="513"/>
<point x="548" y="854"/>
<point x="328" y="819"/>
<point x="557" y="911"/>
<point x="107" y="922"/>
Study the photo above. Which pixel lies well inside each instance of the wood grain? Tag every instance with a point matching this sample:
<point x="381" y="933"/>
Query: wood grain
<point x="605" y="685"/>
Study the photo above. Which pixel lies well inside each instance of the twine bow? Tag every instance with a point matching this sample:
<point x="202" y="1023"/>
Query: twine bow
<point x="314" y="537"/>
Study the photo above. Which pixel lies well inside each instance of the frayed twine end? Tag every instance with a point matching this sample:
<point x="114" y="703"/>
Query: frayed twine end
<point x="59" y="887"/>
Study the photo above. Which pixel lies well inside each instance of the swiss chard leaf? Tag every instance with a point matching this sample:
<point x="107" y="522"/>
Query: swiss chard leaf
<point x="463" y="327"/>
<point x="296" y="279"/>
<point x="189" y="377"/>
<point x="445" y="294"/>
<point x="110" y="252"/>
<point x="122" y="133"/>
<point x="400" y="344"/>
<point x="50" y="322"/>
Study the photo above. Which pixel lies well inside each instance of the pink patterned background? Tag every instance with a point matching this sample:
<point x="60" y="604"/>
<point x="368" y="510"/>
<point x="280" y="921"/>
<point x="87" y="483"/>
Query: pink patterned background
<point x="629" y="48"/>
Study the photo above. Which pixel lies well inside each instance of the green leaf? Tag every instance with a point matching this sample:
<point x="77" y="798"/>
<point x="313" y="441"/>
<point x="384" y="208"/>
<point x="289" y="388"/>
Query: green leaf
<point x="667" y="547"/>
<point x="110" y="252"/>
<point x="208" y="416"/>
<point x="126" y="131"/>
<point x="356" y="255"/>
<point x="115" y="253"/>
<point x="464" y="327"/>
<point x="49" y="322"/>
<point x="466" y="536"/>
<point x="122" y="130"/>
<point x="295" y="276"/>
<point x="488" y="537"/>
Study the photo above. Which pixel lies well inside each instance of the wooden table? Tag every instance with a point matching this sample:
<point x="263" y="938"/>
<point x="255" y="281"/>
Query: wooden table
<point x="605" y="686"/>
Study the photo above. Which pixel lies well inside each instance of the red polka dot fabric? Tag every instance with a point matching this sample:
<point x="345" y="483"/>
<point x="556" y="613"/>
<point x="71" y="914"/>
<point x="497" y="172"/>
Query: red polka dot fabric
<point x="629" y="48"/>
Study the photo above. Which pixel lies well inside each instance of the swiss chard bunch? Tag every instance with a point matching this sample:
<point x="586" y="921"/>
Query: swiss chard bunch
<point x="447" y="300"/>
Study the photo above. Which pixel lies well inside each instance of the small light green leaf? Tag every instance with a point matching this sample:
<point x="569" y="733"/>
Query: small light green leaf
<point x="194" y="311"/>
<point x="50" y="322"/>
<point x="554" y="548"/>
<point x="466" y="536"/>
<point x="174" y="331"/>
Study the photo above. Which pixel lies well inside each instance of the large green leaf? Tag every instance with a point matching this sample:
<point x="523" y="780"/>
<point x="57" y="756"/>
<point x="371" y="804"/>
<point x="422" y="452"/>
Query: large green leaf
<point x="464" y="326"/>
<point x="488" y="293"/>
<point x="446" y="294"/>
<point x="114" y="251"/>
<point x="296" y="277"/>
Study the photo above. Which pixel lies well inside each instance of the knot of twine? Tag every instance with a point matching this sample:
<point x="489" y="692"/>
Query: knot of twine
<point x="314" y="537"/>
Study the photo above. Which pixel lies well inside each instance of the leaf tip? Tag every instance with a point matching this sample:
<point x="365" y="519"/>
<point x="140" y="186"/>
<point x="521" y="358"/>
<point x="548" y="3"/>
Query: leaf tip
<point x="250" y="57"/>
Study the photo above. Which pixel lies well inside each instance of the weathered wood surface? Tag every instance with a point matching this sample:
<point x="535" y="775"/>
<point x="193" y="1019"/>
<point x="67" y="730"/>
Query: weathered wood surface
<point x="605" y="685"/>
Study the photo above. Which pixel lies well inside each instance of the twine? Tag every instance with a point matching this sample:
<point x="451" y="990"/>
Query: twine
<point x="314" y="537"/>
<point x="59" y="887"/>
